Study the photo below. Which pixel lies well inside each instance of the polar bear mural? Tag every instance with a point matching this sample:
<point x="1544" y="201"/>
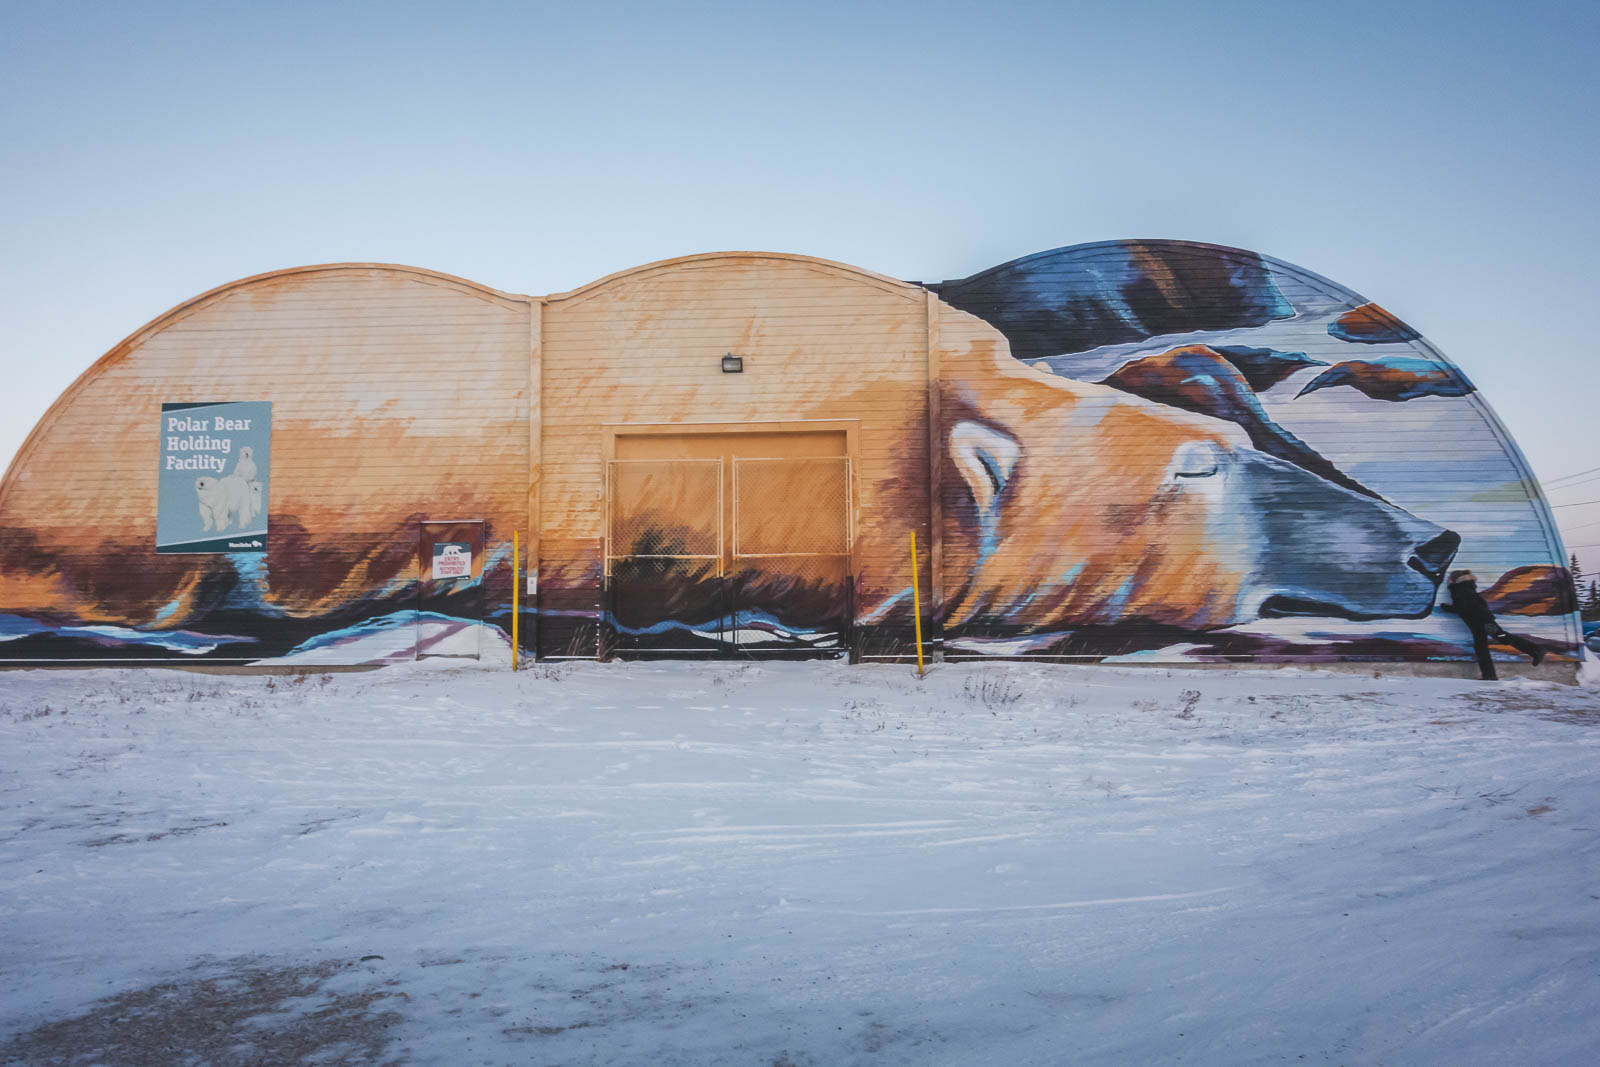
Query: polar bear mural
<point x="1161" y="450"/>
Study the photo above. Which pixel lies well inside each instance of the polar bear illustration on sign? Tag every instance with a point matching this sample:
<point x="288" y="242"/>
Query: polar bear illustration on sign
<point x="236" y="498"/>
<point x="209" y="490"/>
<point x="226" y="500"/>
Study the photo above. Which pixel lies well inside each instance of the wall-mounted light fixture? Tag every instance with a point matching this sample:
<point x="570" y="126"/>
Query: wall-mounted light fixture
<point x="732" y="364"/>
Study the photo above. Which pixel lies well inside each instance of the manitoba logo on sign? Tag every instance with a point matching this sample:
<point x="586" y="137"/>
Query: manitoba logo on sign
<point x="452" y="559"/>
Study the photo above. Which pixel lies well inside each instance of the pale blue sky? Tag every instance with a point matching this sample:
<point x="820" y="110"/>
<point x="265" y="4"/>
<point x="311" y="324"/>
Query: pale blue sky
<point x="1437" y="157"/>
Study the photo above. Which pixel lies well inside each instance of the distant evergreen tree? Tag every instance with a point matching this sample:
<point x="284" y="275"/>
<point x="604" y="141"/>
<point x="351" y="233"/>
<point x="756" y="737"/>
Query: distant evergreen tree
<point x="1594" y="596"/>
<point x="1577" y="572"/>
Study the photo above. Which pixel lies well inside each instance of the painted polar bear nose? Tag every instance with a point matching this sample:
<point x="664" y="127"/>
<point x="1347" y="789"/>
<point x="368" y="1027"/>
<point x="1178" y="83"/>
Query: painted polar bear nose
<point x="1432" y="557"/>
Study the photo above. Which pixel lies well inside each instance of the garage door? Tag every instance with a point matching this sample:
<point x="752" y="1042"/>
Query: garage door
<point x="729" y="543"/>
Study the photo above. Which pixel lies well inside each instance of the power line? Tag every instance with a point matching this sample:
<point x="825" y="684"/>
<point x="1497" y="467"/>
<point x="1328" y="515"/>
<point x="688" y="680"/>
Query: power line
<point x="1576" y="474"/>
<point x="1569" y="477"/>
<point x="1571" y="485"/>
<point x="1576" y="504"/>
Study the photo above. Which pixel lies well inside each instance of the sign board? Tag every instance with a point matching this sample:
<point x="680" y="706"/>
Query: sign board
<point x="211" y="488"/>
<point x="452" y="559"/>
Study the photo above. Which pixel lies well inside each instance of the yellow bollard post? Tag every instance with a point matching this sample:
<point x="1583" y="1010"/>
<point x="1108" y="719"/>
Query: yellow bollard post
<point x="516" y="581"/>
<point x="916" y="601"/>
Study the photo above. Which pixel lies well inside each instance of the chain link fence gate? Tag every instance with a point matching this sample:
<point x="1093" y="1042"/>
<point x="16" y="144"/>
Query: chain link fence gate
<point x="664" y="553"/>
<point x="689" y="570"/>
<point x="790" y="574"/>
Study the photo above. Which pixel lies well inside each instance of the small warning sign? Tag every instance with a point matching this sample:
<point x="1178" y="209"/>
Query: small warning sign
<point x="452" y="559"/>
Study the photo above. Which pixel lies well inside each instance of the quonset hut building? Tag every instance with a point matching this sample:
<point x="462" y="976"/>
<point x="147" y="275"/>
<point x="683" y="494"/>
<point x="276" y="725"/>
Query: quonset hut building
<point x="1140" y="451"/>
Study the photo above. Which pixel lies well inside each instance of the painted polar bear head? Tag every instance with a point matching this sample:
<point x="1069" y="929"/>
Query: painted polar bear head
<point x="1074" y="504"/>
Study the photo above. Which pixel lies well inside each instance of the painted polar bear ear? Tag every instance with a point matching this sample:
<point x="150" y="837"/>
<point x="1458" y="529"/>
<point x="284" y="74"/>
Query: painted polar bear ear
<point x="985" y="457"/>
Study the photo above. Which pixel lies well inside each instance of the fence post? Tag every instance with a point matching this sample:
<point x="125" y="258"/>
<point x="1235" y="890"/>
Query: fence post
<point x="916" y="601"/>
<point x="516" y="613"/>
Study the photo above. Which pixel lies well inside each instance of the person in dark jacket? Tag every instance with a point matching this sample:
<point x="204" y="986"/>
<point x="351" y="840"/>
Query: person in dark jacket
<point x="1466" y="602"/>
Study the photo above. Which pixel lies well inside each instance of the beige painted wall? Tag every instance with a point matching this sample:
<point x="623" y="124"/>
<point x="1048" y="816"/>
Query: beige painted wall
<point x="819" y="341"/>
<point x="397" y="394"/>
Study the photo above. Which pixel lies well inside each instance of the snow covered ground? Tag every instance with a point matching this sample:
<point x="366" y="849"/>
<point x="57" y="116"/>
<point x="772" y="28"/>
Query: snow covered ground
<point x="797" y="864"/>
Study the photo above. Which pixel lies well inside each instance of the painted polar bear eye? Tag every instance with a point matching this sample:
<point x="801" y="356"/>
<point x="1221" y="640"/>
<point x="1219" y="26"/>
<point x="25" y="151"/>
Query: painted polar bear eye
<point x="1196" y="459"/>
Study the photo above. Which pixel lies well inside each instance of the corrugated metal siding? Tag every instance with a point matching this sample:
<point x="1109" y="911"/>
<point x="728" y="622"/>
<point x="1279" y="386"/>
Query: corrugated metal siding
<point x="1068" y="519"/>
<point x="820" y="343"/>
<point x="397" y="395"/>
<point x="1442" y="458"/>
